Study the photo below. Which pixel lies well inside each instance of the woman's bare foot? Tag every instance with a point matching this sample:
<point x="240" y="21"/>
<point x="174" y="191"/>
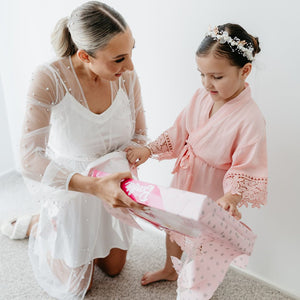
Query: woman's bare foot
<point x="151" y="277"/>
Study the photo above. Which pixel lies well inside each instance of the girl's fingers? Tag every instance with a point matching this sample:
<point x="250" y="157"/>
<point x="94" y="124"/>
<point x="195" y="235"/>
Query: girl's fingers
<point x="131" y="158"/>
<point x="226" y="206"/>
<point x="231" y="209"/>
<point x="237" y="215"/>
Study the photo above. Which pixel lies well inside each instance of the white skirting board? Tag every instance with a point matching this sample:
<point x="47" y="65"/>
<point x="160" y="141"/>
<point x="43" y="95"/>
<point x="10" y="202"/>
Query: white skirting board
<point x="266" y="282"/>
<point x="8" y="172"/>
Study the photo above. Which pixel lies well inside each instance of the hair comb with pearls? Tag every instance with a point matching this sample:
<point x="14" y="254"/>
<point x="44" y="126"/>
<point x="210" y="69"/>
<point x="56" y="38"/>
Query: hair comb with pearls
<point x="223" y="37"/>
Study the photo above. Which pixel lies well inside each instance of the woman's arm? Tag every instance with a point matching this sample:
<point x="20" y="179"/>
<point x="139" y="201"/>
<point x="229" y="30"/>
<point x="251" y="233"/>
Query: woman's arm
<point x="36" y="164"/>
<point x="106" y="188"/>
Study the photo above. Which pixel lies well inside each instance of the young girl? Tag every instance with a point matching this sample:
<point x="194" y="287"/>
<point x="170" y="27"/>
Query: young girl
<point x="219" y="139"/>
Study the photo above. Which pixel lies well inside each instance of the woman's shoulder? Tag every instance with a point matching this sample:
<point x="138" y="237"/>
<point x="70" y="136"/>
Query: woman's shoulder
<point x="60" y="64"/>
<point x="43" y="75"/>
<point x="46" y="81"/>
<point x="53" y="68"/>
<point x="49" y="69"/>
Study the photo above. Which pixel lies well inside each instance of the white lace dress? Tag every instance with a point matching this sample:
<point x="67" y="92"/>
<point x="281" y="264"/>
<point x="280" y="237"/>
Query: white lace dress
<point x="61" y="137"/>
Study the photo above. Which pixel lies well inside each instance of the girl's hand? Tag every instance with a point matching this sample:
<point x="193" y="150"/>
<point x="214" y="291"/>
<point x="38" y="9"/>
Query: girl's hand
<point x="229" y="202"/>
<point x="137" y="155"/>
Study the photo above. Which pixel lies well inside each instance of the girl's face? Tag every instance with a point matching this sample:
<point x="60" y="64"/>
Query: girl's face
<point x="109" y="63"/>
<point x="222" y="80"/>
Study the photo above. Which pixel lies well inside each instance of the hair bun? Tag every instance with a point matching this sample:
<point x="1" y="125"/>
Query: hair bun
<point x="255" y="42"/>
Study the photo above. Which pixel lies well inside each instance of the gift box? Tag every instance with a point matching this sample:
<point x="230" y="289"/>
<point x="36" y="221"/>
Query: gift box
<point x="210" y="236"/>
<point x="185" y="212"/>
<point x="168" y="208"/>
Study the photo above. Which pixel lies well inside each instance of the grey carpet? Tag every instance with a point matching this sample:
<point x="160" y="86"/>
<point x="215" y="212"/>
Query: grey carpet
<point x="147" y="253"/>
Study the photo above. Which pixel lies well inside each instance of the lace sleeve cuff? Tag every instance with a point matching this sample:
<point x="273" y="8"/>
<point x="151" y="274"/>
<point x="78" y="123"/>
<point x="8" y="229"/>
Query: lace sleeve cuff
<point x="162" y="147"/>
<point x="252" y="189"/>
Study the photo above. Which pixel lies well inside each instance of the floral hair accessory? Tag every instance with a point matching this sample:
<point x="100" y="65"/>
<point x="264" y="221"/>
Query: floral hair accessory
<point x="223" y="37"/>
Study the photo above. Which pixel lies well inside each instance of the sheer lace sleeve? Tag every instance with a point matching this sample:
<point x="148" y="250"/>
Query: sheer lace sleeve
<point x="133" y="88"/>
<point x="248" y="174"/>
<point x="170" y="143"/>
<point x="43" y="93"/>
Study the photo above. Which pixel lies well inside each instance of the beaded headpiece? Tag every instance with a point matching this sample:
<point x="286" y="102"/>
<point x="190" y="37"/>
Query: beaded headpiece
<point x="223" y="37"/>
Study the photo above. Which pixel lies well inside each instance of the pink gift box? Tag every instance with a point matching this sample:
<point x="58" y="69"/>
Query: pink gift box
<point x="185" y="212"/>
<point x="211" y="238"/>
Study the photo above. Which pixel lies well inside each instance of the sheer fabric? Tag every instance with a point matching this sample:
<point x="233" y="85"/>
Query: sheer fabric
<point x="61" y="137"/>
<point x="51" y="85"/>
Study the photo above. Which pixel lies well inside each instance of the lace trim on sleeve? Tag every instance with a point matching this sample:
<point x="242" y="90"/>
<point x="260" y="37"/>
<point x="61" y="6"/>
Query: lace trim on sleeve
<point x="162" y="147"/>
<point x="252" y="189"/>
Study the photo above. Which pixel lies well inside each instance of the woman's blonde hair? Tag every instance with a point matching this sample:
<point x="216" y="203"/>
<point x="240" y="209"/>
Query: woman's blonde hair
<point x="90" y="27"/>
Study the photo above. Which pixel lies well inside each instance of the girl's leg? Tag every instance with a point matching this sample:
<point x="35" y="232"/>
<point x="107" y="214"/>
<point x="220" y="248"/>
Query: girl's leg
<point x="168" y="272"/>
<point x="112" y="264"/>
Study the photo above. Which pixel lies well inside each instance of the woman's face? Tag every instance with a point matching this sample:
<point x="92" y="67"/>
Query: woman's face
<point x="109" y="63"/>
<point x="222" y="80"/>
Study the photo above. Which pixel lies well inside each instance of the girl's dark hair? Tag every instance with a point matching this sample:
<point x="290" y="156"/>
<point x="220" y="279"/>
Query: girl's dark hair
<point x="90" y="27"/>
<point x="235" y="57"/>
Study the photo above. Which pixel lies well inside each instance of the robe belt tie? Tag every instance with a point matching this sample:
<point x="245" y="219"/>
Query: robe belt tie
<point x="186" y="160"/>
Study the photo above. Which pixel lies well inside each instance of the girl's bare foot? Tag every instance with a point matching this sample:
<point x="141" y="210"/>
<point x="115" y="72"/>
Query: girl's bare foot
<point x="151" y="277"/>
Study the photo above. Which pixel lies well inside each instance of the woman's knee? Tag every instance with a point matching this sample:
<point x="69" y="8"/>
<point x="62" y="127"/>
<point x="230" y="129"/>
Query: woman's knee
<point x="113" y="264"/>
<point x="114" y="270"/>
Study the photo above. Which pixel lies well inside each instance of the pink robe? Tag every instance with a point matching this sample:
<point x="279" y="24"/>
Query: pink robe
<point x="215" y="155"/>
<point x="224" y="153"/>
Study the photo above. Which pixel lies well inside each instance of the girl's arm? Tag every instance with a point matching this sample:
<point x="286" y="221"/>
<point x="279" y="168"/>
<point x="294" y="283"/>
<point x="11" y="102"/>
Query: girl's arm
<point x="169" y="144"/>
<point x="247" y="176"/>
<point x="137" y="155"/>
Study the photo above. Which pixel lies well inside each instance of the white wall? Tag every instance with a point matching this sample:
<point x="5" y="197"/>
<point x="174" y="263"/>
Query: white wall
<point x="167" y="34"/>
<point x="7" y="162"/>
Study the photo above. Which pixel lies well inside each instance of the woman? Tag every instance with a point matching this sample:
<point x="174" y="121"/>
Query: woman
<point x="80" y="107"/>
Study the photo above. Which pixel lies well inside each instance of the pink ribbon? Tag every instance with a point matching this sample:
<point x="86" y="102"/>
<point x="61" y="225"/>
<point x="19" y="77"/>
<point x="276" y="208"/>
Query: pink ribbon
<point x="186" y="160"/>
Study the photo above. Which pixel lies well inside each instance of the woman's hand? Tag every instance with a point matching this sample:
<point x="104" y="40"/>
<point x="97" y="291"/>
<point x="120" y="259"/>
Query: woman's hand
<point x="229" y="202"/>
<point x="106" y="188"/>
<point x="137" y="155"/>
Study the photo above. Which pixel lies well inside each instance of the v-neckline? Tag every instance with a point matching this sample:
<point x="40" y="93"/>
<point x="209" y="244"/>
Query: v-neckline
<point x="226" y="104"/>
<point x="83" y="95"/>
<point x="83" y="108"/>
